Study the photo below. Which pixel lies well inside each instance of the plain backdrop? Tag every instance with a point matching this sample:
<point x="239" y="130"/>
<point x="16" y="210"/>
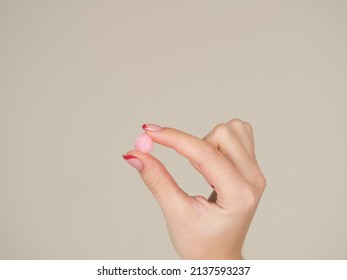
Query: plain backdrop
<point x="79" y="78"/>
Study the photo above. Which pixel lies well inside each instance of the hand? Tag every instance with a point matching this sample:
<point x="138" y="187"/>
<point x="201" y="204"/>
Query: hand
<point x="201" y="228"/>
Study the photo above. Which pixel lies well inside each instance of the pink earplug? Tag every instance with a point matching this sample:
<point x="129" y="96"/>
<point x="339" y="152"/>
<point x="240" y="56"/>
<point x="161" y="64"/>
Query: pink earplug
<point x="144" y="143"/>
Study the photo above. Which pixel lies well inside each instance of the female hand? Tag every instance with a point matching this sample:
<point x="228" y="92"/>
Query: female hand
<point x="201" y="228"/>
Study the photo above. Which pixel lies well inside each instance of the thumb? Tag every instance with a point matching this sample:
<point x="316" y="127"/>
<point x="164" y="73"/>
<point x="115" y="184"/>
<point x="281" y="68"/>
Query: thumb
<point x="171" y="198"/>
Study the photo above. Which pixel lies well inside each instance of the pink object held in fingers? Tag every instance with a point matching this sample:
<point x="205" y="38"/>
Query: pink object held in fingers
<point x="143" y="143"/>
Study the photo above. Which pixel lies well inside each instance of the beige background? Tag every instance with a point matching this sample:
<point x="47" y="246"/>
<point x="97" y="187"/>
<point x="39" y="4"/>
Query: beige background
<point x="78" y="79"/>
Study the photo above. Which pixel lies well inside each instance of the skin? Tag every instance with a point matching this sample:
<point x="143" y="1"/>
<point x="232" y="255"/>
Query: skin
<point x="213" y="228"/>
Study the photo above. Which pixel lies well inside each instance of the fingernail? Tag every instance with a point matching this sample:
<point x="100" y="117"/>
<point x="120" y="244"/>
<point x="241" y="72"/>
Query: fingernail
<point x="151" y="127"/>
<point x="134" y="162"/>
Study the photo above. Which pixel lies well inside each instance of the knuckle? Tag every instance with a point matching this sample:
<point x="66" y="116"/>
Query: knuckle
<point x="221" y="128"/>
<point x="250" y="199"/>
<point x="236" y="123"/>
<point x="221" y="131"/>
<point x="256" y="178"/>
<point x="261" y="180"/>
<point x="153" y="183"/>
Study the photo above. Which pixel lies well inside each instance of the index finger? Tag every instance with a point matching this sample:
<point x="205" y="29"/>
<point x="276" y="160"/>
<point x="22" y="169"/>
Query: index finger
<point x="207" y="159"/>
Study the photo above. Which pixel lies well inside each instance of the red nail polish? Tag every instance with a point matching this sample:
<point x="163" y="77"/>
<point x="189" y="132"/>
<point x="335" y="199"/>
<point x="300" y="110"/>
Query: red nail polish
<point x="151" y="127"/>
<point x="134" y="162"/>
<point x="126" y="157"/>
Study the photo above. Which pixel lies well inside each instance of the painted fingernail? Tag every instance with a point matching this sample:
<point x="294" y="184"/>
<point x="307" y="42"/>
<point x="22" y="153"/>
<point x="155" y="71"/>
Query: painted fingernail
<point x="151" y="127"/>
<point x="134" y="162"/>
